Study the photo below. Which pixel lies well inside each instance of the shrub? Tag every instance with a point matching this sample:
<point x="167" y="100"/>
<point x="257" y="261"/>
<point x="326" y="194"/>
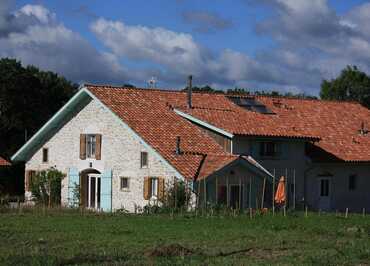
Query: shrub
<point x="46" y="187"/>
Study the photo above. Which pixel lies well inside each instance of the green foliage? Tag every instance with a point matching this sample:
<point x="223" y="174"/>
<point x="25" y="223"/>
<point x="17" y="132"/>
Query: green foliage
<point x="46" y="187"/>
<point x="244" y="91"/>
<point x="28" y="98"/>
<point x="352" y="84"/>
<point x="177" y="196"/>
<point x="76" y="196"/>
<point x="205" y="88"/>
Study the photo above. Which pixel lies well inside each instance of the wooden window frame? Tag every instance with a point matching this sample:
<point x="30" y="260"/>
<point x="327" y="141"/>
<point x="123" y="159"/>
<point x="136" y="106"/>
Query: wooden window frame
<point x="263" y="149"/>
<point x="91" y="146"/>
<point x="142" y="165"/>
<point x="127" y="188"/>
<point x="45" y="155"/>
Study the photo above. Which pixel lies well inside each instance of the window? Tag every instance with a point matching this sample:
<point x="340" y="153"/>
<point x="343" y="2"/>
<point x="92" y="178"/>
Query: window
<point x="352" y="182"/>
<point x="45" y="155"/>
<point x="324" y="188"/>
<point x="90" y="146"/>
<point x="144" y="159"/>
<point x="154" y="187"/>
<point x="125" y="183"/>
<point x="268" y="149"/>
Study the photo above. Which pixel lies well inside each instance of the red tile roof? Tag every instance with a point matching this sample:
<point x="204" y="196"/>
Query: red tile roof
<point x="213" y="163"/>
<point x="149" y="112"/>
<point x="336" y="123"/>
<point x="4" y="162"/>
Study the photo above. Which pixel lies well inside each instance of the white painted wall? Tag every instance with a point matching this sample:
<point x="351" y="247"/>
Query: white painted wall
<point x="120" y="152"/>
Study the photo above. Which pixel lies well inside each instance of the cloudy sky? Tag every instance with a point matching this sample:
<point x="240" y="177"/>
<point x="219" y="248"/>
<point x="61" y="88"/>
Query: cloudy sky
<point x="289" y="45"/>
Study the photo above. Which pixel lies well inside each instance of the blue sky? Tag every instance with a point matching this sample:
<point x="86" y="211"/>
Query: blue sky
<point x="286" y="45"/>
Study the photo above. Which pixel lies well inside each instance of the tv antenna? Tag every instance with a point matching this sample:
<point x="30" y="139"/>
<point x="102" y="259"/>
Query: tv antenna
<point x="152" y="83"/>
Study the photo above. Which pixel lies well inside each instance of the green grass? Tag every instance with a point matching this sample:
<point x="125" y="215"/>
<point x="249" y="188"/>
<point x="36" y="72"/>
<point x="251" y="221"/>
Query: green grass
<point x="37" y="237"/>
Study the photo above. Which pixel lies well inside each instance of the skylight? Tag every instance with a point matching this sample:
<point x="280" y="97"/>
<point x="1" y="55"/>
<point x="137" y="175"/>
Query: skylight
<point x="251" y="104"/>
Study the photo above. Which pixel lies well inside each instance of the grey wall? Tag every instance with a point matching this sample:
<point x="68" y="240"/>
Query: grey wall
<point x="292" y="161"/>
<point x="340" y="195"/>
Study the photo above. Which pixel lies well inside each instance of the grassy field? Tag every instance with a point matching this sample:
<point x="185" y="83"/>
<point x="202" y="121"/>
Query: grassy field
<point x="70" y="238"/>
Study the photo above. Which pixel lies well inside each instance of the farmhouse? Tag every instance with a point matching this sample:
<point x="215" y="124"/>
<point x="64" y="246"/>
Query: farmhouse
<point x="124" y="146"/>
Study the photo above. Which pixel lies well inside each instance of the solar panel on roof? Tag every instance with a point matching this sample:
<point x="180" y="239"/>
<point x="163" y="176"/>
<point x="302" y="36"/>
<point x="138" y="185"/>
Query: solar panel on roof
<point x="251" y="104"/>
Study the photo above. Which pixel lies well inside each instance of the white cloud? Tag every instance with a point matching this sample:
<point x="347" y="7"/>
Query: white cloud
<point x="312" y="42"/>
<point x="176" y="50"/>
<point x="37" y="38"/>
<point x="179" y="55"/>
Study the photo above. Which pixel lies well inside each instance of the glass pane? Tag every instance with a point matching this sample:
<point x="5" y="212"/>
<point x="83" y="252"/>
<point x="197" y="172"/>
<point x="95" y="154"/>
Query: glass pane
<point x="98" y="192"/>
<point x="92" y="192"/>
<point x="154" y="186"/>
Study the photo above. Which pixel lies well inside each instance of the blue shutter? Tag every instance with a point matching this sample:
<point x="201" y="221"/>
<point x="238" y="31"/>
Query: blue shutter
<point x="106" y="191"/>
<point x="73" y="182"/>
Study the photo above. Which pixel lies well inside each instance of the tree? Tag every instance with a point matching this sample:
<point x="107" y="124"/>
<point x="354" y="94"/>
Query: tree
<point x="46" y="187"/>
<point x="352" y="84"/>
<point x="28" y="98"/>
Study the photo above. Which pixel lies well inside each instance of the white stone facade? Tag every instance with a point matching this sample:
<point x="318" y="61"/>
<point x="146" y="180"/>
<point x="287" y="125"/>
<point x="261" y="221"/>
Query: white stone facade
<point x="120" y="152"/>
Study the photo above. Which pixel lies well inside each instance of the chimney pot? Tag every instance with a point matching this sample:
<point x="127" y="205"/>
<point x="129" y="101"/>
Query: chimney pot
<point x="178" y="147"/>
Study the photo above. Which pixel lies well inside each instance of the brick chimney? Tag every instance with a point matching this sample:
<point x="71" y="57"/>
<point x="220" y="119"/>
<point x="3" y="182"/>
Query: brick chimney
<point x="190" y="88"/>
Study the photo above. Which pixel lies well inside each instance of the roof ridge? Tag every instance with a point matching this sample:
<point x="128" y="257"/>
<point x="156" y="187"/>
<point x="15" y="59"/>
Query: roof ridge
<point x="306" y="99"/>
<point x="171" y="90"/>
<point x="149" y="89"/>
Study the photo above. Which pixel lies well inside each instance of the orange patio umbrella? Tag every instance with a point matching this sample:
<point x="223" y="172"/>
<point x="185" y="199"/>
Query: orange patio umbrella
<point x="280" y="195"/>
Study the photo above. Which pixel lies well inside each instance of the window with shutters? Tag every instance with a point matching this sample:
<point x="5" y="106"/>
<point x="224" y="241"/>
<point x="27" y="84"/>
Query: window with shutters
<point x="125" y="183"/>
<point x="45" y="155"/>
<point x="144" y="159"/>
<point x="90" y="146"/>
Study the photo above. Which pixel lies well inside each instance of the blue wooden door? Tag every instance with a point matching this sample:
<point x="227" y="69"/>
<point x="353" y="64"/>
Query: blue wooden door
<point x="106" y="191"/>
<point x="73" y="187"/>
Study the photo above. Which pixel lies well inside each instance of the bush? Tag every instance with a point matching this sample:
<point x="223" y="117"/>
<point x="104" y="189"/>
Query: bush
<point x="46" y="187"/>
<point x="175" y="198"/>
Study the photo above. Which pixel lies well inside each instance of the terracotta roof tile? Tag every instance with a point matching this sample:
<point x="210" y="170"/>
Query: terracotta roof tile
<point x="149" y="112"/>
<point x="4" y="162"/>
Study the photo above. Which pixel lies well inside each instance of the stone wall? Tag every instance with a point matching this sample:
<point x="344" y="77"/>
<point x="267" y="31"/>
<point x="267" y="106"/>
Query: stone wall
<point x="121" y="150"/>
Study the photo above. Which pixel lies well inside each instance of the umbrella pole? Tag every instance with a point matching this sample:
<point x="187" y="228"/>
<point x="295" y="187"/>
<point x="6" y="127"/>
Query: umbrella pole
<point x="286" y="189"/>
